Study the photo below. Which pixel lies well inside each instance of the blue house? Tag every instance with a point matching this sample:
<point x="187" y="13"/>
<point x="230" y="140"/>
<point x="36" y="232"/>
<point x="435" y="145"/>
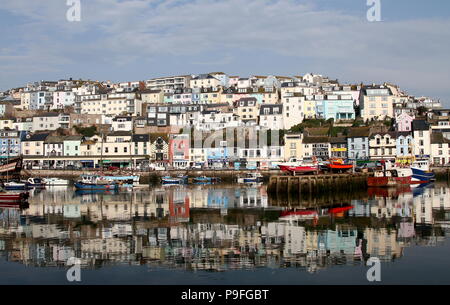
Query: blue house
<point x="358" y="143"/>
<point x="11" y="143"/>
<point x="335" y="107"/>
<point x="404" y="144"/>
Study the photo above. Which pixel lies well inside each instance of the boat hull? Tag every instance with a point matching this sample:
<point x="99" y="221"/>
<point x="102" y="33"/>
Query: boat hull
<point x="388" y="181"/>
<point x="420" y="176"/>
<point x="96" y="187"/>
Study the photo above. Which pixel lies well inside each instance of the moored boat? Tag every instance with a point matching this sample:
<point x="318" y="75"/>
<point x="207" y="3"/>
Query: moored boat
<point x="56" y="182"/>
<point x="421" y="172"/>
<point x="251" y="178"/>
<point x="206" y="180"/>
<point x="167" y="180"/>
<point x="15" y="186"/>
<point x="295" y="166"/>
<point x="339" y="165"/>
<point x="391" y="177"/>
<point x="35" y="183"/>
<point x="92" y="182"/>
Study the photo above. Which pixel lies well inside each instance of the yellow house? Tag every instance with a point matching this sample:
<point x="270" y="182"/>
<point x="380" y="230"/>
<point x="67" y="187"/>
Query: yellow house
<point x="33" y="145"/>
<point x="293" y="147"/>
<point x="377" y="102"/>
<point x="247" y="109"/>
<point x="152" y="96"/>
<point x="204" y="81"/>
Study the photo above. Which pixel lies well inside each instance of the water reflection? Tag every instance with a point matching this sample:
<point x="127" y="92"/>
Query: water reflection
<point x="222" y="228"/>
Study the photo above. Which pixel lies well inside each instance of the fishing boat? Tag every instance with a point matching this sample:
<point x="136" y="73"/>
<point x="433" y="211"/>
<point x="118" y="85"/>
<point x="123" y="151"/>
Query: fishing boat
<point x="295" y="166"/>
<point x="339" y="165"/>
<point x="56" y="182"/>
<point x="391" y="177"/>
<point x="93" y="182"/>
<point x="37" y="183"/>
<point x="251" y="178"/>
<point x="421" y="172"/>
<point x="167" y="180"/>
<point x="206" y="180"/>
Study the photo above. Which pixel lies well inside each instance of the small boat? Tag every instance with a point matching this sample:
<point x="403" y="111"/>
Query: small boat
<point x="174" y="181"/>
<point x="92" y="182"/>
<point x="206" y="180"/>
<point x="339" y="165"/>
<point x="421" y="172"/>
<point x="295" y="166"/>
<point x="391" y="177"/>
<point x="124" y="181"/>
<point x="35" y="183"/>
<point x="251" y="178"/>
<point x="56" y="182"/>
<point x="15" y="186"/>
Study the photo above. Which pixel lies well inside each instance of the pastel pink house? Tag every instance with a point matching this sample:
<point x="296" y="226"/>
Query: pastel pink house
<point x="404" y="122"/>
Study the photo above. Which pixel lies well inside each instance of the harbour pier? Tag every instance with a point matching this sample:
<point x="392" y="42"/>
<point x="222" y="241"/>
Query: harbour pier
<point x="317" y="184"/>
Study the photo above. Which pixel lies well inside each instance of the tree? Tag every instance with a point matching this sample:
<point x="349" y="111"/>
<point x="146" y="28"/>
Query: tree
<point x="86" y="131"/>
<point x="422" y="110"/>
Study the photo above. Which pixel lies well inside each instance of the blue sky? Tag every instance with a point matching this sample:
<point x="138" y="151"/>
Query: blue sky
<point x="122" y="40"/>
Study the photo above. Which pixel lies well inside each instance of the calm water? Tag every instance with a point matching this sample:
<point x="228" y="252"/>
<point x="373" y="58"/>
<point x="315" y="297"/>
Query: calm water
<point x="227" y="235"/>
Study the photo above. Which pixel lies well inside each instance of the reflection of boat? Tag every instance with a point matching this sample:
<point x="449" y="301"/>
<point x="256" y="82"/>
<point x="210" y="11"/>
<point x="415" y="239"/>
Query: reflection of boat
<point x="100" y="192"/>
<point x="314" y="213"/>
<point x="91" y="182"/>
<point x="301" y="167"/>
<point x="206" y="180"/>
<point x="339" y="165"/>
<point x="251" y="178"/>
<point x="392" y="177"/>
<point x="177" y="180"/>
<point x="389" y="192"/>
<point x="56" y="182"/>
<point x="421" y="172"/>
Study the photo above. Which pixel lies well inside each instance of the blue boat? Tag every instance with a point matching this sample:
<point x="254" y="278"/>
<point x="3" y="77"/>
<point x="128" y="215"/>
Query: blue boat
<point x="206" y="180"/>
<point x="421" y="172"/>
<point x="95" y="183"/>
<point x="167" y="180"/>
<point x="36" y="183"/>
<point x="251" y="178"/>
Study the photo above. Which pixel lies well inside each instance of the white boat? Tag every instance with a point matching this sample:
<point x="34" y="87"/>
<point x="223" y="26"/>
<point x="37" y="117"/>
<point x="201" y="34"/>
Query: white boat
<point x="251" y="178"/>
<point x="56" y="182"/>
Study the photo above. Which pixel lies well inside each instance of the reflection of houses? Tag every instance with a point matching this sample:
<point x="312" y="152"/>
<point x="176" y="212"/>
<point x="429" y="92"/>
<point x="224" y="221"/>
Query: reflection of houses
<point x="382" y="243"/>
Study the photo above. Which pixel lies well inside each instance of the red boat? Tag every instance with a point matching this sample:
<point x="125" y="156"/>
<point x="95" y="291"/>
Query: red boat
<point x="13" y="197"/>
<point x="393" y="177"/>
<point x="300" y="167"/>
<point x="338" y="164"/>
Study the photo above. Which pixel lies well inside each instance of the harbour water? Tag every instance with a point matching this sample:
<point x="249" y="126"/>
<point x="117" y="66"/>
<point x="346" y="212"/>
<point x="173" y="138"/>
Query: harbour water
<point x="227" y="234"/>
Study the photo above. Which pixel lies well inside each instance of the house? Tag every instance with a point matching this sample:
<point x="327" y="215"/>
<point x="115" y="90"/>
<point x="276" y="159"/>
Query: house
<point x="318" y="147"/>
<point x="210" y="120"/>
<point x="383" y="146"/>
<point x="403" y="122"/>
<point x="376" y="102"/>
<point x="337" y="107"/>
<point x="141" y="144"/>
<point x="204" y="81"/>
<point x="6" y="108"/>
<point x="293" y="146"/>
<point x="271" y="116"/>
<point x="248" y="111"/>
<point x="404" y="144"/>
<point x="33" y="144"/>
<point x="7" y="124"/>
<point x="422" y="138"/>
<point x="358" y="143"/>
<point x="122" y="123"/>
<point x="179" y="150"/>
<point x="159" y="150"/>
<point x="10" y="143"/>
<point x="294" y="107"/>
<point x="72" y="145"/>
<point x="440" y="149"/>
<point x="48" y="121"/>
<point x="339" y="147"/>
<point x="169" y="84"/>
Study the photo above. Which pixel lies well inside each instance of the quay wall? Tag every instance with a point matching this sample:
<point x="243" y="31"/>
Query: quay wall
<point x="317" y="184"/>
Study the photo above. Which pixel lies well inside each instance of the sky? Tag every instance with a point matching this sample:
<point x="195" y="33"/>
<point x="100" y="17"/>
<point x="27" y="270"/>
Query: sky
<point x="129" y="40"/>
